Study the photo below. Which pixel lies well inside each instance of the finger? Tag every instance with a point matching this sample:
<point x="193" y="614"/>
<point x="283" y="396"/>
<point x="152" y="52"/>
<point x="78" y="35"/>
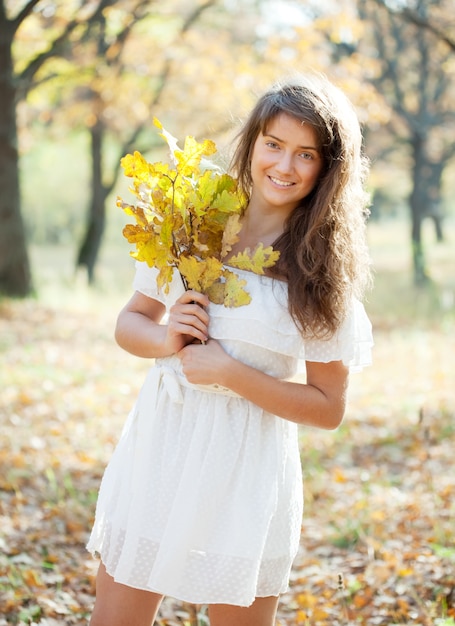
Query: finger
<point x="189" y="306"/>
<point x="189" y="314"/>
<point x="194" y="296"/>
<point x="192" y="327"/>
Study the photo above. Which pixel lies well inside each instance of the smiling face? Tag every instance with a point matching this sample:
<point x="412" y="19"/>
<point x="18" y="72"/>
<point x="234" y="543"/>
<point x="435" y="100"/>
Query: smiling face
<point x="285" y="164"/>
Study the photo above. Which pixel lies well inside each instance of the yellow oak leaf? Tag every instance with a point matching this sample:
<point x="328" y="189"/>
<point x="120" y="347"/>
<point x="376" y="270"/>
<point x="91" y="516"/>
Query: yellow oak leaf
<point x="208" y="186"/>
<point x="199" y="197"/>
<point x="207" y="240"/>
<point x="227" y="202"/>
<point x="161" y="176"/>
<point x="191" y="269"/>
<point x="225" y="182"/>
<point x="137" y="212"/>
<point x="167" y="228"/>
<point x="151" y="252"/>
<point x="200" y="274"/>
<point x="134" y="165"/>
<point x="135" y="233"/>
<point x="161" y="203"/>
<point x="257" y="260"/>
<point x="164" y="277"/>
<point x="189" y="159"/>
<point x="229" y="291"/>
<point x="234" y="293"/>
<point x="230" y="234"/>
<point x="216" y="292"/>
<point x="213" y="269"/>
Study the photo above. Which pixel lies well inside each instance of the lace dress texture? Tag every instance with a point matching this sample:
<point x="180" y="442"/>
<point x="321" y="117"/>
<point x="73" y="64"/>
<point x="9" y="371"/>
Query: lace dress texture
<point x="202" y="499"/>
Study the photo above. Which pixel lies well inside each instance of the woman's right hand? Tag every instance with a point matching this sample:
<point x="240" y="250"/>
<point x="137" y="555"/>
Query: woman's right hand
<point x="188" y="321"/>
<point x="140" y="332"/>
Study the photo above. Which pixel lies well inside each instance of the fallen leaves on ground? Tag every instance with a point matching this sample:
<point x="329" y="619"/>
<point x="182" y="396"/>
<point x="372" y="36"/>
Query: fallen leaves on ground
<point x="378" y="544"/>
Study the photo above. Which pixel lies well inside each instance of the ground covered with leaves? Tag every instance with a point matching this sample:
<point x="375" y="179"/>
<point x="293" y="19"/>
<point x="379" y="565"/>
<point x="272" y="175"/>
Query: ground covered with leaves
<point x="378" y="545"/>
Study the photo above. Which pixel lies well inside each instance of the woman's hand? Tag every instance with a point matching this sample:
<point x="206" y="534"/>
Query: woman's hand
<point x="188" y="321"/>
<point x="140" y="332"/>
<point x="204" y="364"/>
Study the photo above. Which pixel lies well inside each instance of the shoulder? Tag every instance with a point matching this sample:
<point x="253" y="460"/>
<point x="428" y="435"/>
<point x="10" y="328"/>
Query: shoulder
<point x="351" y="343"/>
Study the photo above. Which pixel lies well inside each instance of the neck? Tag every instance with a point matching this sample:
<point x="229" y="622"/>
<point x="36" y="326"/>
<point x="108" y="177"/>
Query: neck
<point x="262" y="227"/>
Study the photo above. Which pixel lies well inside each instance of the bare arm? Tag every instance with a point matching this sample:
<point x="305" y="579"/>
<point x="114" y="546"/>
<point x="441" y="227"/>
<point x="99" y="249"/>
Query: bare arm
<point x="319" y="402"/>
<point x="139" y="331"/>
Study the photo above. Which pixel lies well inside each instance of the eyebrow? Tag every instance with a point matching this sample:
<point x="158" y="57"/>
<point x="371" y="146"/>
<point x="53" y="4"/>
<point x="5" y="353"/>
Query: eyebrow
<point x="282" y="141"/>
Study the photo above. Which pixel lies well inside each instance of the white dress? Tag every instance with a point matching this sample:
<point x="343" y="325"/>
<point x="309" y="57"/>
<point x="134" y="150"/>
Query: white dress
<point x="202" y="499"/>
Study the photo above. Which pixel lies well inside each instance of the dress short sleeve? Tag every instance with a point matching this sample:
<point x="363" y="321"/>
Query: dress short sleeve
<point x="145" y="282"/>
<point x="352" y="343"/>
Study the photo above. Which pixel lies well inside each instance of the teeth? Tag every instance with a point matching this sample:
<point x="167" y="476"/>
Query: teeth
<point x="282" y="183"/>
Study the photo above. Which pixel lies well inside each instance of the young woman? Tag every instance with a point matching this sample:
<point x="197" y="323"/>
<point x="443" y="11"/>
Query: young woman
<point x="202" y="499"/>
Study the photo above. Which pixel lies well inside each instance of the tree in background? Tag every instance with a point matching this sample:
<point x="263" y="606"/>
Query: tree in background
<point x="15" y="84"/>
<point x="415" y="71"/>
<point x="440" y="20"/>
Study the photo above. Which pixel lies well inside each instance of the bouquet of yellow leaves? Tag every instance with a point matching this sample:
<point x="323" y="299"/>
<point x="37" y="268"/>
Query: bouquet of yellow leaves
<point x="188" y="219"/>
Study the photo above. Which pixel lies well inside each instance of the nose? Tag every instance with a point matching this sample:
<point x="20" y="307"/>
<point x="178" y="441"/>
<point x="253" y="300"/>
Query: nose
<point x="285" y="163"/>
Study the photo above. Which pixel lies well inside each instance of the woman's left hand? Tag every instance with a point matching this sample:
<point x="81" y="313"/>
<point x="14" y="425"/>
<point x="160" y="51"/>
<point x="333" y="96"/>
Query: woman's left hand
<point x="204" y="364"/>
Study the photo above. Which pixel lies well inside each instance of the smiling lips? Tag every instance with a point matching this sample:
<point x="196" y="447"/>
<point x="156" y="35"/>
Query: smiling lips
<point x="280" y="183"/>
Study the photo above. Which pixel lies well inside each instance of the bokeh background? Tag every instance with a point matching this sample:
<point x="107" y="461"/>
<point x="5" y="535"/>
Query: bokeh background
<point x="80" y="83"/>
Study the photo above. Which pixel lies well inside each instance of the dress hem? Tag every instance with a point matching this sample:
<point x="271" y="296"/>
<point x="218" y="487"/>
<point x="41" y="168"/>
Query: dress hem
<point x="182" y="598"/>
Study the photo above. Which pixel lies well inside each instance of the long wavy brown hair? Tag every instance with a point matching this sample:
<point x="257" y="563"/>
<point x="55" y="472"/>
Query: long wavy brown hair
<point x="323" y="251"/>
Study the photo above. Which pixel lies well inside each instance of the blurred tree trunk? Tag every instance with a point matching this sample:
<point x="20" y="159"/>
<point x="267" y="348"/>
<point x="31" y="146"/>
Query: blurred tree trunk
<point x="424" y="201"/>
<point x="434" y="202"/>
<point x="96" y="217"/>
<point x="15" y="278"/>
<point x="418" y="206"/>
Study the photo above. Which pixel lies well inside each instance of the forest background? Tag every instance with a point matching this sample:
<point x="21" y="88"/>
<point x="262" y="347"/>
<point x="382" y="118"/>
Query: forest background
<point x="79" y="85"/>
